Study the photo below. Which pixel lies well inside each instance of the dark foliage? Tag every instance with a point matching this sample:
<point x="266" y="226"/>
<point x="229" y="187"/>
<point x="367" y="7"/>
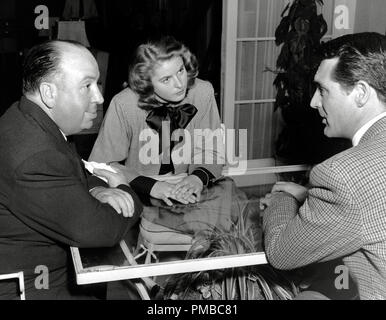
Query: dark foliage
<point x="300" y="33"/>
<point x="261" y="282"/>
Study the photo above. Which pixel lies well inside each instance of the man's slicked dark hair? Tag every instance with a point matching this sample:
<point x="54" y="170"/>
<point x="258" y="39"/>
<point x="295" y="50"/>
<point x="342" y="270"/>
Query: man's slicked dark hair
<point x="362" y="56"/>
<point x="41" y="62"/>
<point x="364" y="42"/>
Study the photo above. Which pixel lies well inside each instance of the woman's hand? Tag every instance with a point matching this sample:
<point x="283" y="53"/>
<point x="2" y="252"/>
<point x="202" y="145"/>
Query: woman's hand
<point x="189" y="189"/>
<point x="165" y="191"/>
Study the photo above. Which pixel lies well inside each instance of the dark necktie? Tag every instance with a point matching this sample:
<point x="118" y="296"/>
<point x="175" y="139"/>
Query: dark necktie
<point x="179" y="118"/>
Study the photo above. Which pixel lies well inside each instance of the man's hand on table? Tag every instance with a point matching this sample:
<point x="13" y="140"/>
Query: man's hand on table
<point x="120" y="200"/>
<point x="296" y="190"/>
<point x="265" y="201"/>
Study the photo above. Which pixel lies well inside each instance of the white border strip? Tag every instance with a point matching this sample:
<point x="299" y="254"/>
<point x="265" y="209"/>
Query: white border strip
<point x="256" y="101"/>
<point x="265" y="170"/>
<point x="167" y="268"/>
<point x="254" y="39"/>
<point x="228" y="62"/>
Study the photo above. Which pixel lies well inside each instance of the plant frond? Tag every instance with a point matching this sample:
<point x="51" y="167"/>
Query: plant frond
<point x="250" y="282"/>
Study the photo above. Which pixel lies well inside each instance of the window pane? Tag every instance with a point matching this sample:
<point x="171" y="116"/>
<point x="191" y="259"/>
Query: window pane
<point x="259" y="18"/>
<point x="263" y="125"/>
<point x="328" y="14"/>
<point x="247" y="19"/>
<point x="253" y="81"/>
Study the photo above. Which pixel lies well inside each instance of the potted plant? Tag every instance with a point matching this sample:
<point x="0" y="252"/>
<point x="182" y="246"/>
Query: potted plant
<point x="300" y="32"/>
<point x="261" y="282"/>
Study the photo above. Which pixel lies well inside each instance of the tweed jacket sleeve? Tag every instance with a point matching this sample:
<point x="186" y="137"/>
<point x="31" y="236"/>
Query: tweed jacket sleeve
<point x="327" y="226"/>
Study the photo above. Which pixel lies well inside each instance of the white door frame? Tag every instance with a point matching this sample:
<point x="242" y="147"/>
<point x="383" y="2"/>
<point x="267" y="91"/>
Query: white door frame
<point x="228" y="76"/>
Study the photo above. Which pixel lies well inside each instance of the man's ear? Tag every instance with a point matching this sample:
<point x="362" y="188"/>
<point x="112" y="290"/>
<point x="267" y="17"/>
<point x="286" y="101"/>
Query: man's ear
<point x="362" y="93"/>
<point x="48" y="93"/>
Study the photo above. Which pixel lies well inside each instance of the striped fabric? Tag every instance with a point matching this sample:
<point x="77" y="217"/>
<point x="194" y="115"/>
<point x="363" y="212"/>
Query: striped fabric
<point x="344" y="215"/>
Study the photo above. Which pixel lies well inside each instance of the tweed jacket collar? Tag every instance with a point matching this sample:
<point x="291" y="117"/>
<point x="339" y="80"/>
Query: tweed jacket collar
<point x="375" y="129"/>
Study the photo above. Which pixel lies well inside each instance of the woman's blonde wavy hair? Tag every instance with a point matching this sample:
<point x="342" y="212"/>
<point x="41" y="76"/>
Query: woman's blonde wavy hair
<point x="147" y="56"/>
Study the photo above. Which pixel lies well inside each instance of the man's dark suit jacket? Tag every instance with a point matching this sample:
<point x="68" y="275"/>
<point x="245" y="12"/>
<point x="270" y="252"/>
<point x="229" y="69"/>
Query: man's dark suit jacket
<point x="45" y="204"/>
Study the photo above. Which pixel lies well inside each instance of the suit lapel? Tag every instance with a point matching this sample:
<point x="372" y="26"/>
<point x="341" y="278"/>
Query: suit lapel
<point x="80" y="165"/>
<point x="49" y="126"/>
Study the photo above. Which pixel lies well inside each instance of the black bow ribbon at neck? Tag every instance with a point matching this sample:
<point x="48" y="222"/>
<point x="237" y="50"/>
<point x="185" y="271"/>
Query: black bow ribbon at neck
<point x="179" y="117"/>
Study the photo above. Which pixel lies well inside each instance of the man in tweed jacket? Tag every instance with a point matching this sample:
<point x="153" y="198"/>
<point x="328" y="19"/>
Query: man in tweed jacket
<point x="343" y="213"/>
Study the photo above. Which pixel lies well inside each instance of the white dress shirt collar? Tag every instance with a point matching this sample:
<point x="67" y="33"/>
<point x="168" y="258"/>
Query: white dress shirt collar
<point x="65" y="138"/>
<point x="359" y="134"/>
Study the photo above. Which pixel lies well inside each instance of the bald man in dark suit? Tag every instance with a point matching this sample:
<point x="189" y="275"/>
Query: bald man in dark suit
<point x="47" y="200"/>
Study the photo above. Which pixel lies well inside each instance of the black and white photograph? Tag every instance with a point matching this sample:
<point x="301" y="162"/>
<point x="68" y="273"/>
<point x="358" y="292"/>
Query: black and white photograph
<point x="192" y="155"/>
